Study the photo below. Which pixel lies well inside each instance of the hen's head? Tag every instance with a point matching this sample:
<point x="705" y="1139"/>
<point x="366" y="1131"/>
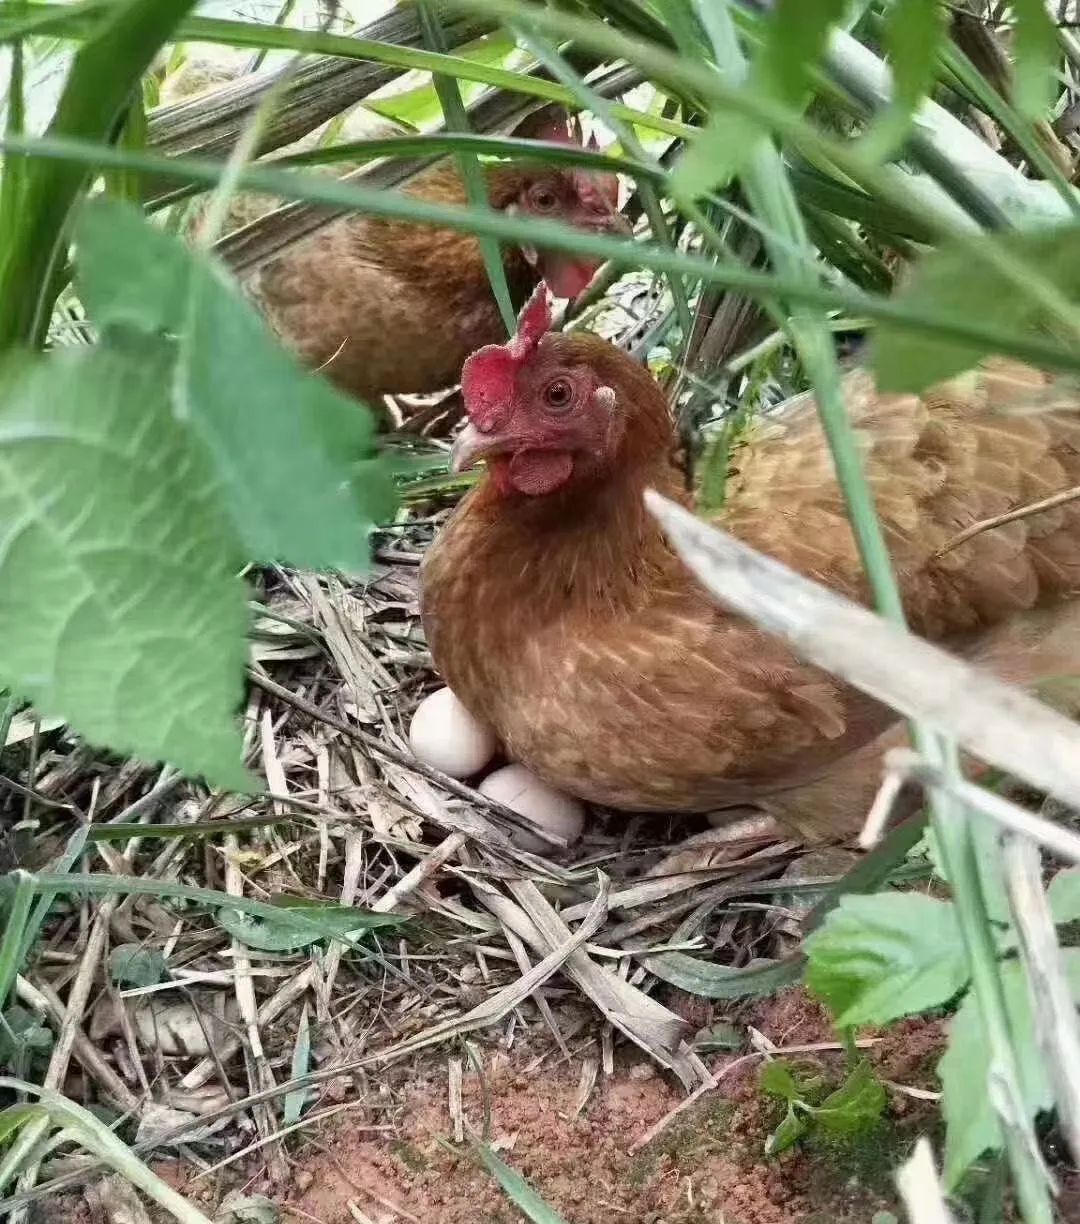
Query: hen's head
<point x="586" y="199"/>
<point x="551" y="411"/>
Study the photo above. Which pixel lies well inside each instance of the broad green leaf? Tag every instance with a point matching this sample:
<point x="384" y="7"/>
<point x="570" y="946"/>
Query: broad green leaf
<point x="787" y="1134"/>
<point x="877" y="958"/>
<point x="1063" y="895"/>
<point x="299" y="926"/>
<point x="517" y="1189"/>
<point x="972" y="1126"/>
<point x="120" y="610"/>
<point x="856" y="1105"/>
<point x="1036" y="50"/>
<point x="796" y="34"/>
<point x="776" y="1080"/>
<point x="295" y="459"/>
<point x="134" y="965"/>
<point x="914" y="30"/>
<point x="960" y="280"/>
<point x="709" y="981"/>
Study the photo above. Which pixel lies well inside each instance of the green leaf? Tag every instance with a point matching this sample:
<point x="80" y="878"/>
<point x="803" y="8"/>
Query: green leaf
<point x="285" y="933"/>
<point x="1063" y="895"/>
<point x="877" y="958"/>
<point x="972" y="1126"/>
<point x="856" y="1105"/>
<point x="787" y="1134"/>
<point x="708" y="981"/>
<point x="22" y="888"/>
<point x="134" y="965"/>
<point x="914" y="31"/>
<point x="710" y="162"/>
<point x="776" y="1080"/>
<point x="517" y="1189"/>
<point x="120" y="610"/>
<point x="295" y="459"/>
<point x="105" y="72"/>
<point x="1036" y="50"/>
<point x="301" y="1065"/>
<point x="986" y="842"/>
<point x="420" y="106"/>
<point x="22" y="1033"/>
<point x="796" y="34"/>
<point x="961" y="280"/>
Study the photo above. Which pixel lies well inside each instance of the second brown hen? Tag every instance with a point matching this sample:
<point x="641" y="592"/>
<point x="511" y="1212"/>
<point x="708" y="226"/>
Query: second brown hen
<point x="558" y="614"/>
<point x="387" y="307"/>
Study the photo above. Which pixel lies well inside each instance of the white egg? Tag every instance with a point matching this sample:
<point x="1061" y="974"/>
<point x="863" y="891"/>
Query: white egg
<point x="445" y="735"/>
<point x="523" y="792"/>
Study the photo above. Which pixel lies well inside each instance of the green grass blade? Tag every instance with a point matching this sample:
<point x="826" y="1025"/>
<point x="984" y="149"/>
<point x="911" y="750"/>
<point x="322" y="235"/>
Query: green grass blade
<point x="13" y="944"/>
<point x="97" y="1138"/>
<point x="558" y="66"/>
<point x="761" y="286"/>
<point x="475" y="188"/>
<point x="102" y="79"/>
<point x="516" y="1188"/>
<point x="305" y="919"/>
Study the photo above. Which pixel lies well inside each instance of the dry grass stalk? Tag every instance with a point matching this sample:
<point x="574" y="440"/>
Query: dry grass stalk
<point x="1056" y="1027"/>
<point x="917" y="1181"/>
<point x="1000" y="724"/>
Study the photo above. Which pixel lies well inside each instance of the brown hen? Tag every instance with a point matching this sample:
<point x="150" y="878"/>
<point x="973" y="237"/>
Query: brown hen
<point x="559" y="615"/>
<point x="384" y="307"/>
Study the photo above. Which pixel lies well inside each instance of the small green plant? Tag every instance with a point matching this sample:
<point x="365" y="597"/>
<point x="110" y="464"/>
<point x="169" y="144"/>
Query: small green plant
<point x="879" y="958"/>
<point x="853" y="1107"/>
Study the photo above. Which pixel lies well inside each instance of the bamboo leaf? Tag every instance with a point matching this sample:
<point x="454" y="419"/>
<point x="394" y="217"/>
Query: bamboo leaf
<point x="700" y="977"/>
<point x="280" y="931"/>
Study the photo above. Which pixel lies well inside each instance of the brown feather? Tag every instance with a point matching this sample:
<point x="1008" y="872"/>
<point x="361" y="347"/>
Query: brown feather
<point x="389" y="307"/>
<point x="566" y="622"/>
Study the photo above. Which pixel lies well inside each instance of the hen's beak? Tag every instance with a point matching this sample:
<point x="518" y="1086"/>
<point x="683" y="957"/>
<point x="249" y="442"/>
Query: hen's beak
<point x="470" y="447"/>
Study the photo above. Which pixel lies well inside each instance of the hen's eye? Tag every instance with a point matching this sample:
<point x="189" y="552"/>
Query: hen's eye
<point x="544" y="199"/>
<point x="558" y="393"/>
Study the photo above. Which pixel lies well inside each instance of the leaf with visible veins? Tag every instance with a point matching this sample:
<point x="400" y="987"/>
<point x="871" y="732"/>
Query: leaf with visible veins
<point x="120" y="609"/>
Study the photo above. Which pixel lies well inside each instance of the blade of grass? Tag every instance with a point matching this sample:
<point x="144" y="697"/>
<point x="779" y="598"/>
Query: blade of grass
<point x="760" y="286"/>
<point x="13" y="945"/>
<point x="99" y="85"/>
<point x="457" y="120"/>
<point x="549" y="56"/>
<point x="97" y="1138"/>
<point x="516" y="1188"/>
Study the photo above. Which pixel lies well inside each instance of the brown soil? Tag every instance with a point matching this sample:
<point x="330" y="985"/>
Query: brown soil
<point x="585" y="1159"/>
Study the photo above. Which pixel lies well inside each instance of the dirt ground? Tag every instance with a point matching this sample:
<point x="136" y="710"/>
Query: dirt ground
<point x="584" y="1145"/>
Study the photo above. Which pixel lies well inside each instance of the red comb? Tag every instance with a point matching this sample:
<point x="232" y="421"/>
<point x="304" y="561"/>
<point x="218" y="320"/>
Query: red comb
<point x="487" y="378"/>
